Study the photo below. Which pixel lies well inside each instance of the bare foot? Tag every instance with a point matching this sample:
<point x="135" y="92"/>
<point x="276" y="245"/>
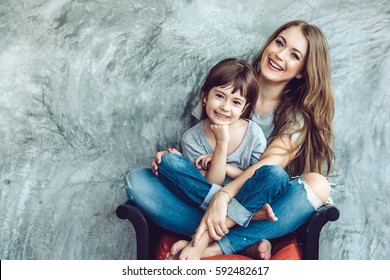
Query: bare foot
<point x="265" y="213"/>
<point x="264" y="249"/>
<point x="176" y="248"/>
<point x="269" y="213"/>
<point x="191" y="253"/>
<point x="187" y="250"/>
<point x="260" y="250"/>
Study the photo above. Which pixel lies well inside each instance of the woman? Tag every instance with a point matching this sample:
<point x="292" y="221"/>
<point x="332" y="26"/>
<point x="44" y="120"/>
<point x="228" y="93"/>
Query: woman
<point x="295" y="109"/>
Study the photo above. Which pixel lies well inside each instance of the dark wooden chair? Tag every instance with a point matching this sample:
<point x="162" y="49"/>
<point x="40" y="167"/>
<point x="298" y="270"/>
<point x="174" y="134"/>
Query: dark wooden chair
<point x="305" y="240"/>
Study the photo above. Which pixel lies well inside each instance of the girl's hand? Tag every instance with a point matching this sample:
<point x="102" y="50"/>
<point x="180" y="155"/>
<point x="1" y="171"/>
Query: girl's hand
<point x="221" y="132"/>
<point x="203" y="161"/>
<point x="214" y="219"/>
<point x="157" y="159"/>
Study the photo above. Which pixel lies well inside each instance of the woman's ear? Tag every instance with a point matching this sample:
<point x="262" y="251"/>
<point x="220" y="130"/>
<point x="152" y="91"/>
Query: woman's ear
<point x="299" y="76"/>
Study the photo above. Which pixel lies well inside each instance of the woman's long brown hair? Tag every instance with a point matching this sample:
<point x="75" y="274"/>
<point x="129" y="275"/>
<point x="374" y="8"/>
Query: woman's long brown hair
<point x="310" y="98"/>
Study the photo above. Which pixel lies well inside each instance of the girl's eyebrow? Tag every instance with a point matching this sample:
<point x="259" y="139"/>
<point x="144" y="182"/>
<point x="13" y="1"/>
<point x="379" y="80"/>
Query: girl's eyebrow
<point x="285" y="41"/>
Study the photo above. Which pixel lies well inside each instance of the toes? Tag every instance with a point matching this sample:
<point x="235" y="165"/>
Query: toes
<point x="264" y="249"/>
<point x="177" y="247"/>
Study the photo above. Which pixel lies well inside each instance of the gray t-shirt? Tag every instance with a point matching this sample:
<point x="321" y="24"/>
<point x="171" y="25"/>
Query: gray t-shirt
<point x="194" y="143"/>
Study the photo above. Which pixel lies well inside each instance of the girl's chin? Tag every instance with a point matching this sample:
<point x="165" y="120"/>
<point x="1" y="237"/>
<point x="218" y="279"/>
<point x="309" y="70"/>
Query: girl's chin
<point x="220" y="122"/>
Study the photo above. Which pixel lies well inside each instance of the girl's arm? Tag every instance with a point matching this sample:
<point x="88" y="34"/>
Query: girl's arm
<point x="203" y="164"/>
<point x="216" y="173"/>
<point x="233" y="172"/>
<point x="277" y="153"/>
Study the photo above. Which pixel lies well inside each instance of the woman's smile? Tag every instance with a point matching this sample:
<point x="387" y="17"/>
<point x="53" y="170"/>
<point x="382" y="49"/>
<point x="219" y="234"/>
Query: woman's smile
<point x="274" y="65"/>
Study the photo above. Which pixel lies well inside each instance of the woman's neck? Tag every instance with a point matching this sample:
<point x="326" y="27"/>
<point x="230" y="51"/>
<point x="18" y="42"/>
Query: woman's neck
<point x="269" y="96"/>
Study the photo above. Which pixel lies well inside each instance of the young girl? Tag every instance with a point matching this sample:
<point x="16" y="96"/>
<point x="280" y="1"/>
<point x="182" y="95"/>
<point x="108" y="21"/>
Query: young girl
<point x="225" y="142"/>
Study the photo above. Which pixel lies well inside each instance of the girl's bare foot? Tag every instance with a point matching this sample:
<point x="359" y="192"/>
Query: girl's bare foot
<point x="269" y="213"/>
<point x="265" y="213"/>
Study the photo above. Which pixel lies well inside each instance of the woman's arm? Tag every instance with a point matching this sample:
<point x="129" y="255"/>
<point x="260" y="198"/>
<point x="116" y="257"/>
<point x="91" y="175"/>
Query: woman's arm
<point x="277" y="153"/>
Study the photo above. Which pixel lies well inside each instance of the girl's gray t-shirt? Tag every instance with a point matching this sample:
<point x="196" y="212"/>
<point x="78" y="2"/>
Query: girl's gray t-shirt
<point x="194" y="143"/>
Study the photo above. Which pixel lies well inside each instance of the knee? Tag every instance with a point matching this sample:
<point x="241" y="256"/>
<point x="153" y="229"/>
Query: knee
<point x="319" y="185"/>
<point x="172" y="161"/>
<point x="135" y="181"/>
<point x="272" y="172"/>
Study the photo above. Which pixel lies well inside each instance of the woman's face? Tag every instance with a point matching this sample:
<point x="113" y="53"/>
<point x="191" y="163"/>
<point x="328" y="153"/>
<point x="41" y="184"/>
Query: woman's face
<point x="285" y="57"/>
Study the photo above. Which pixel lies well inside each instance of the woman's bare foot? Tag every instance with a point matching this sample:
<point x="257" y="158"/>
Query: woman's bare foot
<point x="265" y="213"/>
<point x="264" y="249"/>
<point x="176" y="248"/>
<point x="183" y="250"/>
<point x="191" y="253"/>
<point x="259" y="251"/>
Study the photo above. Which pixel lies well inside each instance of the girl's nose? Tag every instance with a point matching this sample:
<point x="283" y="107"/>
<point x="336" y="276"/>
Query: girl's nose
<point x="225" y="106"/>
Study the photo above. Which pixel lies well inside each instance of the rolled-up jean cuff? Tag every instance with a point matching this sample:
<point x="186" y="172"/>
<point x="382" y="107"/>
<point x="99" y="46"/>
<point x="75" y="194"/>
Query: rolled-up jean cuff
<point x="238" y="213"/>
<point x="213" y="190"/>
<point x="226" y="246"/>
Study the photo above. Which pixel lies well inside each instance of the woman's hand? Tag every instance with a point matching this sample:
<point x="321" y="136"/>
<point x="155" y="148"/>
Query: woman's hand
<point x="157" y="159"/>
<point x="214" y="219"/>
<point x="203" y="161"/>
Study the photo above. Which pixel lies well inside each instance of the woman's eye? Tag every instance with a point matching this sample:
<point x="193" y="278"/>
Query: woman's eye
<point x="279" y="43"/>
<point x="295" y="56"/>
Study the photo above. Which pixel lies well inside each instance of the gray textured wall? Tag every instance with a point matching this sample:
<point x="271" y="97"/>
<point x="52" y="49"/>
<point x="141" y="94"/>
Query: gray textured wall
<point x="91" y="89"/>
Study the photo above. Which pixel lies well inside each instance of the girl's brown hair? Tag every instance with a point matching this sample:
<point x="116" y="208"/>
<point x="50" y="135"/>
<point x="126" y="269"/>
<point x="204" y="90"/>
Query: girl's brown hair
<point x="310" y="98"/>
<point x="238" y="74"/>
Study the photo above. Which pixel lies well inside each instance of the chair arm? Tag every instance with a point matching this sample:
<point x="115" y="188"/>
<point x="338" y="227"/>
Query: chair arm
<point x="128" y="211"/>
<point x="324" y="214"/>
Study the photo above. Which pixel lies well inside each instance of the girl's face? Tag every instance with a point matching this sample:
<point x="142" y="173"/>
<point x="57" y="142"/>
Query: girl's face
<point x="223" y="106"/>
<point x="285" y="57"/>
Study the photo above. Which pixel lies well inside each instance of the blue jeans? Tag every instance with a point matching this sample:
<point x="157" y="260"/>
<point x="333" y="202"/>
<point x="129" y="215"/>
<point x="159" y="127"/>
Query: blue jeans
<point x="179" y="209"/>
<point x="184" y="179"/>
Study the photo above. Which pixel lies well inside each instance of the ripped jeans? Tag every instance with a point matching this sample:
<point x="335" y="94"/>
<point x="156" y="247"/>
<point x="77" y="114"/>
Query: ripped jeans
<point x="176" y="200"/>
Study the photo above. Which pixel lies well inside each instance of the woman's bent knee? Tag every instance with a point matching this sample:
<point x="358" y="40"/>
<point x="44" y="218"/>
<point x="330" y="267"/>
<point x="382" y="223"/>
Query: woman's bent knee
<point x="139" y="182"/>
<point x="272" y="171"/>
<point x="319" y="185"/>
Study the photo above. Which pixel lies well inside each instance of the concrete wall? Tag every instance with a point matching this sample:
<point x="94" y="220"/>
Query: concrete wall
<point x="91" y="89"/>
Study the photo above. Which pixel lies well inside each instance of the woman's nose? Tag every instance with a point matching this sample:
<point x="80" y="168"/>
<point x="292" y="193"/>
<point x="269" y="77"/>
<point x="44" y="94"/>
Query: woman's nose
<point x="281" y="54"/>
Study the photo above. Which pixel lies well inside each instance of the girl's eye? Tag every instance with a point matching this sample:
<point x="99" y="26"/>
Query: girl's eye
<point x="237" y="103"/>
<point x="218" y="95"/>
